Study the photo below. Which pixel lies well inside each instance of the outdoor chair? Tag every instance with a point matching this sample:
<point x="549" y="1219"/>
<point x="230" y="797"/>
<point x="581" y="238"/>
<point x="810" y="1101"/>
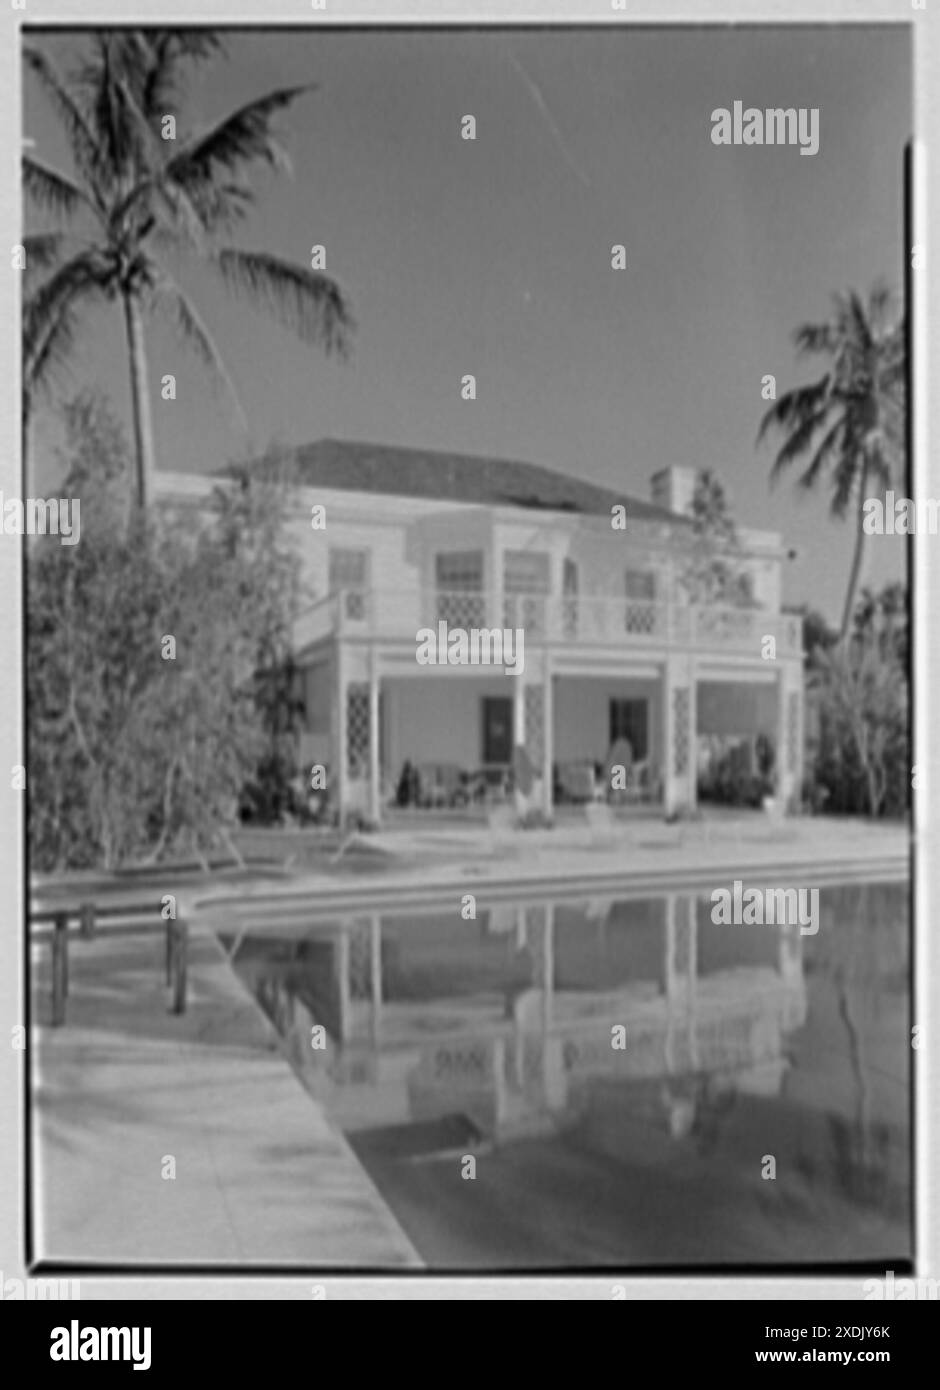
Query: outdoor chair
<point x="578" y="781"/>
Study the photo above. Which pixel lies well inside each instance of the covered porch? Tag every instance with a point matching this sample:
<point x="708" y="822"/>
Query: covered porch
<point x="634" y="734"/>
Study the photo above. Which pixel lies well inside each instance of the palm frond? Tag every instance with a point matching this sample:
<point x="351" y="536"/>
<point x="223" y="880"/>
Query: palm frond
<point x="795" y="406"/>
<point x="177" y="221"/>
<point x="127" y="144"/>
<point x="800" y="439"/>
<point x="243" y="137"/>
<point x="46" y="313"/>
<point x="881" y="302"/>
<point x="813" y="338"/>
<point x="52" y="191"/>
<point x="43" y="249"/>
<point x="171" y="299"/>
<point x="310" y="304"/>
<point x="162" y="55"/>
<point x="81" y="273"/>
<point x="82" y="141"/>
<point x="826" y="453"/>
<point x="862" y="333"/>
<point x="52" y="350"/>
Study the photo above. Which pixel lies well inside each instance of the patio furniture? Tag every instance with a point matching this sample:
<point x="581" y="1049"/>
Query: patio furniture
<point x="439" y="784"/>
<point x="577" y="781"/>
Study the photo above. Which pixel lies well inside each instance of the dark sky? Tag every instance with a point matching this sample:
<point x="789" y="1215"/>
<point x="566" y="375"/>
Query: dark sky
<point x="493" y="256"/>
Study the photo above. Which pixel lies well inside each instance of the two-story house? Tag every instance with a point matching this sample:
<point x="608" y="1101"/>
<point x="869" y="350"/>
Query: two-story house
<point x="614" y="654"/>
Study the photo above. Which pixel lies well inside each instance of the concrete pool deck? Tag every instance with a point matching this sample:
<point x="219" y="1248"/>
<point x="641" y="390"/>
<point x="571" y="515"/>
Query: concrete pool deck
<point x="262" y="1179"/>
<point x="629" y="858"/>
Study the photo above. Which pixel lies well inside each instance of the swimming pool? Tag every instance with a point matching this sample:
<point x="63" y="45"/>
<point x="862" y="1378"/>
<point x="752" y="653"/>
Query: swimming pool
<point x="638" y="1086"/>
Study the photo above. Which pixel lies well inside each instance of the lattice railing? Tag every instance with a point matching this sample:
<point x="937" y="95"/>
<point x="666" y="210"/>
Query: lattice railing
<point x="526" y="611"/>
<point x="573" y="618"/>
<point x="461" y="609"/>
<point x="462" y="1062"/>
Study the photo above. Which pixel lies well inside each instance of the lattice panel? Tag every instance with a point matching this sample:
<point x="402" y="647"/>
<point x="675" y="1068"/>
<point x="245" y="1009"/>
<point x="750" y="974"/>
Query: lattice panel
<point x="360" y="960"/>
<point x="357" y="729"/>
<point x="731" y="626"/>
<point x="468" y="1062"/>
<point x="681" y="706"/>
<point x="464" y="610"/>
<point x="793" y="731"/>
<point x="642" y="619"/>
<point x="533" y="696"/>
<point x="525" y="611"/>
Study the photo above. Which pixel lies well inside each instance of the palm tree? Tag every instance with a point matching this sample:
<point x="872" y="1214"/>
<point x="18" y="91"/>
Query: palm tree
<point x="850" y="423"/>
<point x="134" y="197"/>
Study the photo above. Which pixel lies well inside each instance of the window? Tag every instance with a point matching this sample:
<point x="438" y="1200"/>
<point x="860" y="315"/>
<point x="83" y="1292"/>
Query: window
<point x="569" y="605"/>
<point x="527" y="578"/>
<point x="641" y="584"/>
<point x="459" y="575"/>
<point x="349" y="571"/>
<point x="629" y="719"/>
<point x="526" y="572"/>
<point x="460" y="570"/>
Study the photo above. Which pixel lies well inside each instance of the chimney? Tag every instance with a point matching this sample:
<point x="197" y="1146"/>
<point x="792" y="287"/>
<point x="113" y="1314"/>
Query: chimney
<point x="674" y="488"/>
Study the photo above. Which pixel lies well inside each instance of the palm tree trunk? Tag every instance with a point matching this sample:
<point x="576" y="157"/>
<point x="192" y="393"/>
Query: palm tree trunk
<point x="856" y="569"/>
<point x="140" y="397"/>
<point x="24" y="442"/>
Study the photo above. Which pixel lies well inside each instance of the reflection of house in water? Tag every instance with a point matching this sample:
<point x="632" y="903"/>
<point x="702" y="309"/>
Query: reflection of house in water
<point x="529" y="1043"/>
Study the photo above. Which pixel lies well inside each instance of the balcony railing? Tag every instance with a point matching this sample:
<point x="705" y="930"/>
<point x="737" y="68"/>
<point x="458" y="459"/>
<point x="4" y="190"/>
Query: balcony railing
<point x="397" y="614"/>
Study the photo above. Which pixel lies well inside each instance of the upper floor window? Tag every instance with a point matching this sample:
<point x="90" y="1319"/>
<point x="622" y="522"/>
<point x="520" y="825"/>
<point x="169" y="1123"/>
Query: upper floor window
<point x="526" y="572"/>
<point x="459" y="579"/>
<point x="460" y="570"/>
<point x="641" y="584"/>
<point x="527" y="578"/>
<point x="349" y="571"/>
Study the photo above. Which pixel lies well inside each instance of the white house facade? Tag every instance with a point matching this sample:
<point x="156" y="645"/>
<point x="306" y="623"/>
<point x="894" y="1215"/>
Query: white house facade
<point x="615" y="657"/>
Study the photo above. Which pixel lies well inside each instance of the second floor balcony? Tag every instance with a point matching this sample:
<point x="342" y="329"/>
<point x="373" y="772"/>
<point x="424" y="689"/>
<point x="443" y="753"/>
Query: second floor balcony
<point x="398" y="614"/>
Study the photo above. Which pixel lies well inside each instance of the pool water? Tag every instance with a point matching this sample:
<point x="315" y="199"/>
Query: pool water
<point x="637" y="1086"/>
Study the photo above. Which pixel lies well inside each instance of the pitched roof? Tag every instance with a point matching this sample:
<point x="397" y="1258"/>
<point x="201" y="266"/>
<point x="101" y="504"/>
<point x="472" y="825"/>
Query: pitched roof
<point x="347" y="464"/>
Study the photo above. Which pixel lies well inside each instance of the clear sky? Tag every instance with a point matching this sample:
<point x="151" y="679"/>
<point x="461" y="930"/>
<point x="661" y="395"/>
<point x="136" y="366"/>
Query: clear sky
<point x="493" y="256"/>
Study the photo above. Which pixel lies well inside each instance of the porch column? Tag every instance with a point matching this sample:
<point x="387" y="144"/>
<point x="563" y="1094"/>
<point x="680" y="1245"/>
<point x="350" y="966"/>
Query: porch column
<point x="375" y="770"/>
<point x="790" y="734"/>
<point x="339" y="754"/>
<point x="343" y="994"/>
<point x="692" y="967"/>
<point x="679" y="734"/>
<point x="375" y="973"/>
<point x="548" y="739"/>
<point x="680" y="948"/>
<point x="548" y="965"/>
<point x="518" y="711"/>
<point x="789" y="953"/>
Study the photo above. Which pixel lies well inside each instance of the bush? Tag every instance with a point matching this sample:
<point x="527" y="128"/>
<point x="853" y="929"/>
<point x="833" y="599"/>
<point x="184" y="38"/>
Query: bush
<point x="142" y="643"/>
